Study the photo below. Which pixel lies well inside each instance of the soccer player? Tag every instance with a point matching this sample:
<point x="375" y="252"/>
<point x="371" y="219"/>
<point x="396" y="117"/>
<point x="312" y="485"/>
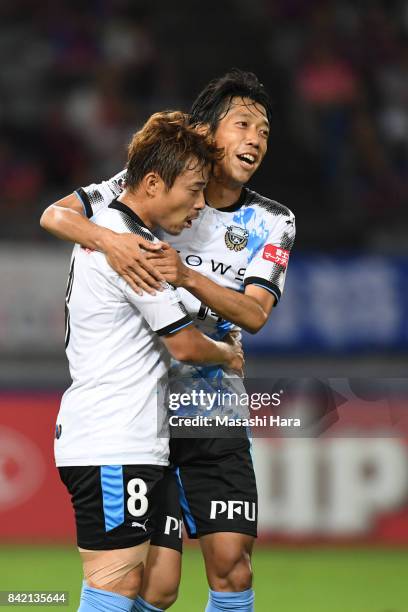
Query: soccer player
<point x="107" y="447"/>
<point x="231" y="270"/>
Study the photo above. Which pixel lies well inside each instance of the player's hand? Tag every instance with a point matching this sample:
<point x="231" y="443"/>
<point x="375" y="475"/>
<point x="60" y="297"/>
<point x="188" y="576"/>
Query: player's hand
<point x="236" y="352"/>
<point x="126" y="254"/>
<point x="168" y="263"/>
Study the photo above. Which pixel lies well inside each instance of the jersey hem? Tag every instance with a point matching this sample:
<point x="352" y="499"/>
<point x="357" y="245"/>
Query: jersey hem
<point x="91" y="546"/>
<point x="204" y="532"/>
<point x="117" y="460"/>
<point x="176" y="326"/>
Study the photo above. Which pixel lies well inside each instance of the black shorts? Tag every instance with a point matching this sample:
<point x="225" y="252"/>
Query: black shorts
<point x="122" y="506"/>
<point x="217" y="485"/>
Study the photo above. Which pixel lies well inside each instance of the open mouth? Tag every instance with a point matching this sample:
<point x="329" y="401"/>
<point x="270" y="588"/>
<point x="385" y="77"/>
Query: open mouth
<point x="189" y="221"/>
<point x="247" y="159"/>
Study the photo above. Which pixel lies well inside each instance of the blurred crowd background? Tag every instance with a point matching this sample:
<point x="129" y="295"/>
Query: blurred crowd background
<point x="77" y="78"/>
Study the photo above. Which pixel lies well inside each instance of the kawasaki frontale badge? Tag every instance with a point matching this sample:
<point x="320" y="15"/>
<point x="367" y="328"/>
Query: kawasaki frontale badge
<point x="236" y="238"/>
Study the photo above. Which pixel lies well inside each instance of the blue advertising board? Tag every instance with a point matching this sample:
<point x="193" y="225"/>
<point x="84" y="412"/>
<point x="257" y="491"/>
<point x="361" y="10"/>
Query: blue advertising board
<point x="339" y="304"/>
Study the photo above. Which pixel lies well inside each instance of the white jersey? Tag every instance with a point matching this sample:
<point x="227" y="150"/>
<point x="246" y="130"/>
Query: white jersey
<point x="109" y="415"/>
<point x="246" y="243"/>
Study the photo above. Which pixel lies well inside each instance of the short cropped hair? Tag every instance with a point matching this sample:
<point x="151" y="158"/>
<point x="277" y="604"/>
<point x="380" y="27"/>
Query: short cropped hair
<point x="214" y="101"/>
<point x="166" y="144"/>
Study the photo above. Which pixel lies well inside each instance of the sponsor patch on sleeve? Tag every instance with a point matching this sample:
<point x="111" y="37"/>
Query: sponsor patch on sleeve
<point x="276" y="255"/>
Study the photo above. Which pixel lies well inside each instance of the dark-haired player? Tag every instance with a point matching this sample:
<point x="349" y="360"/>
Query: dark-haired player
<point x="231" y="271"/>
<point x="107" y="449"/>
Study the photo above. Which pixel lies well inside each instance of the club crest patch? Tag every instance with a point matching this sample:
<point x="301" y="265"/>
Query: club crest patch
<point x="236" y="238"/>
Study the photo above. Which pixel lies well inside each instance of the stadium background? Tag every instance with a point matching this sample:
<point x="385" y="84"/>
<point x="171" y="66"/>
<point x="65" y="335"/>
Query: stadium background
<point x="76" y="79"/>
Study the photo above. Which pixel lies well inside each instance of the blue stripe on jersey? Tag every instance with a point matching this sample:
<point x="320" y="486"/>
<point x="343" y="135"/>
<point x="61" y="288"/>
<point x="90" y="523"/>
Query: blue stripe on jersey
<point x="112" y="495"/>
<point x="184" y="504"/>
<point x="173" y="331"/>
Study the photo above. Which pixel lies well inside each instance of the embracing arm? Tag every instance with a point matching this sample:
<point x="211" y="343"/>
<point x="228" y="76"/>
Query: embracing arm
<point x="66" y="220"/>
<point x="249" y="310"/>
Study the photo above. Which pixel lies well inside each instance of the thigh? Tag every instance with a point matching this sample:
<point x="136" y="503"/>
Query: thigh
<point x="113" y="505"/>
<point x="162" y="573"/>
<point x="218" y="489"/>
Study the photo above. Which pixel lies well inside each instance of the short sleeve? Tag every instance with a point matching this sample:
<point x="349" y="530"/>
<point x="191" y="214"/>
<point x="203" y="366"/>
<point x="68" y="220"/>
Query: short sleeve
<point x="268" y="267"/>
<point x="164" y="312"/>
<point x="96" y="196"/>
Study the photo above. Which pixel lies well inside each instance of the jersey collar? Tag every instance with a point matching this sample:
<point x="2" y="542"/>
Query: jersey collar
<point x="129" y="212"/>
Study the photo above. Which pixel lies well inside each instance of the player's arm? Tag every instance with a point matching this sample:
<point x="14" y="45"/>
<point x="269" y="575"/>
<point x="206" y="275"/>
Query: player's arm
<point x="66" y="219"/>
<point x="249" y="310"/>
<point x="189" y="345"/>
<point x="168" y="318"/>
<point x="263" y="281"/>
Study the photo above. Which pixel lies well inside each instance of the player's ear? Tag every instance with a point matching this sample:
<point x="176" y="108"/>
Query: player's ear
<point x="151" y="183"/>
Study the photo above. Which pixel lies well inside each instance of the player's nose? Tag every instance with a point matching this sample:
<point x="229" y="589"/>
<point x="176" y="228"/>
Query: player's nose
<point x="200" y="202"/>
<point x="253" y="137"/>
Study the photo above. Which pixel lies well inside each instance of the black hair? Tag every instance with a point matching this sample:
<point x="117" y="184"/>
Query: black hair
<point x="213" y="102"/>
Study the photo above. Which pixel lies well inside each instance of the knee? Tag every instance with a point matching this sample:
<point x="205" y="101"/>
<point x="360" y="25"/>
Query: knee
<point x="163" y="599"/>
<point x="128" y="585"/>
<point x="161" y="594"/>
<point x="243" y="580"/>
<point x="119" y="571"/>
<point x="231" y="571"/>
